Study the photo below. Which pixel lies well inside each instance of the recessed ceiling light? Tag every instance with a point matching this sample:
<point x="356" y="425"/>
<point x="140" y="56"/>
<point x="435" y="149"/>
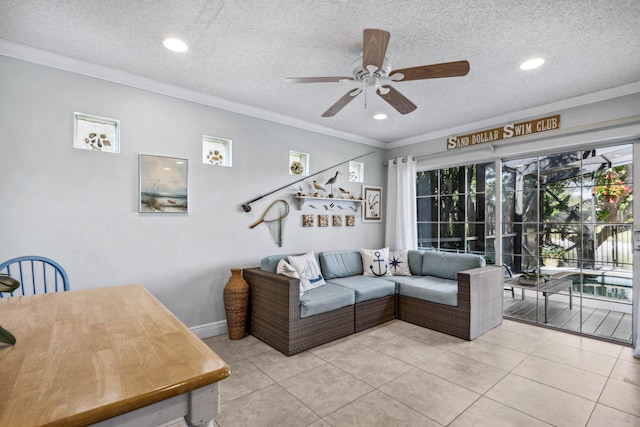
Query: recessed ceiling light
<point x="175" y="45"/>
<point x="531" y="64"/>
<point x="380" y="116"/>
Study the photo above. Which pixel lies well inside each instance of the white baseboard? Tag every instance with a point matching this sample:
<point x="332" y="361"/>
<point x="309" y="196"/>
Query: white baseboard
<point x="210" y="329"/>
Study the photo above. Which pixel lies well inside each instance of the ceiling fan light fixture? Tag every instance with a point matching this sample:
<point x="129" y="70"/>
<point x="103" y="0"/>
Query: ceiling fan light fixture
<point x="380" y="116"/>
<point x="531" y="64"/>
<point x="175" y="45"/>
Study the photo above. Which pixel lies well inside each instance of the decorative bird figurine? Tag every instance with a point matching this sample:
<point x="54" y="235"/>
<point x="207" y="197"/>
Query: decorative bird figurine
<point x="318" y="186"/>
<point x="343" y="191"/>
<point x="332" y="181"/>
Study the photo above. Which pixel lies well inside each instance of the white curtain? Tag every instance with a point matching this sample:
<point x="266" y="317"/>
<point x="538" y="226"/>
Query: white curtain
<point x="401" y="231"/>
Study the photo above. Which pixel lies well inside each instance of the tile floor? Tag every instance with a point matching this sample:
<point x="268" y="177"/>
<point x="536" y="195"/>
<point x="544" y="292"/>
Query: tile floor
<point x="399" y="374"/>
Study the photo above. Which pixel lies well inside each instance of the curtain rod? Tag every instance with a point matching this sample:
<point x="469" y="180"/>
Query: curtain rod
<point x="395" y="161"/>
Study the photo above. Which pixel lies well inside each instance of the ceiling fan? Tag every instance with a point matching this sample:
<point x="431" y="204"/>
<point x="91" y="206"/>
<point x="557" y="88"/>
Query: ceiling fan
<point x="375" y="71"/>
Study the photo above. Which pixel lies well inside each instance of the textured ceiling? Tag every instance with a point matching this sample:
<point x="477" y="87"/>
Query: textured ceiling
<point x="241" y="50"/>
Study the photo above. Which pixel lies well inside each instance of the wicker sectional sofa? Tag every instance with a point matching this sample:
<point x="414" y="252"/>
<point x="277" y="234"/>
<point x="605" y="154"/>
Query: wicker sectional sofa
<point x="452" y="293"/>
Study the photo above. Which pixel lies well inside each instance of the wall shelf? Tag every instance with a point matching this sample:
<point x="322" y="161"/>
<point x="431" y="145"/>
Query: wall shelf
<point x="328" y="203"/>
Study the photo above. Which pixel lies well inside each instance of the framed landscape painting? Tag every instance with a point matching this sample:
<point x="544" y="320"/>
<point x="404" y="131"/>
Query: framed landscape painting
<point x="372" y="203"/>
<point x="163" y="184"/>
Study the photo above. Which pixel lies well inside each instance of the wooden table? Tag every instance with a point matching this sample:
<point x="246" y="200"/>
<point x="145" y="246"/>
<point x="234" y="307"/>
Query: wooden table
<point x="552" y="286"/>
<point x="84" y="357"/>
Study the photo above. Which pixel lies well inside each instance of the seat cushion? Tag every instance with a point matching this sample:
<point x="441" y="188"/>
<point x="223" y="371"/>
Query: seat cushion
<point x="429" y="288"/>
<point x="324" y="299"/>
<point x="366" y="288"/>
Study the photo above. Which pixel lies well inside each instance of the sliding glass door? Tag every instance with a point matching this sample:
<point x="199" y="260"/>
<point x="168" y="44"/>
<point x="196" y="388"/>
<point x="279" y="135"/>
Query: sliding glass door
<point x="568" y="218"/>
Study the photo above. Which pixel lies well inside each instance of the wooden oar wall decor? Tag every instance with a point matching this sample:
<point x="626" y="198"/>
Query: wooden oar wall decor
<point x="247" y="206"/>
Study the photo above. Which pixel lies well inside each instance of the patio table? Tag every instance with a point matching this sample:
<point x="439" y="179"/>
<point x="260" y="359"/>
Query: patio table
<point x="552" y="286"/>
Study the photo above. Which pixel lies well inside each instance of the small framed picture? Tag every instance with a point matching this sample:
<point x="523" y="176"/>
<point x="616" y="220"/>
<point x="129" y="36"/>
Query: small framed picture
<point x="96" y="133"/>
<point x="350" y="220"/>
<point x="372" y="203"/>
<point x="307" y="220"/>
<point x="337" y="220"/>
<point x="163" y="184"/>
<point x="323" y="220"/>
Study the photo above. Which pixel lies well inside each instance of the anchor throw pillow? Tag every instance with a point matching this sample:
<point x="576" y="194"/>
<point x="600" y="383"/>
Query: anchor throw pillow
<point x="375" y="262"/>
<point x="309" y="271"/>
<point x="399" y="263"/>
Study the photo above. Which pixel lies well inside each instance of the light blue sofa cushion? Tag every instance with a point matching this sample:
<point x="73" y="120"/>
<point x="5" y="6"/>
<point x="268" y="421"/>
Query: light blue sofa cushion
<point x="447" y="265"/>
<point x="325" y="298"/>
<point x="415" y="261"/>
<point x="367" y="288"/>
<point x="340" y="264"/>
<point x="270" y="263"/>
<point x="430" y="288"/>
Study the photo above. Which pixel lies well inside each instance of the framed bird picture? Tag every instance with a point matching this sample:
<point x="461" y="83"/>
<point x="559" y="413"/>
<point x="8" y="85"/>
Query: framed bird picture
<point x="372" y="203"/>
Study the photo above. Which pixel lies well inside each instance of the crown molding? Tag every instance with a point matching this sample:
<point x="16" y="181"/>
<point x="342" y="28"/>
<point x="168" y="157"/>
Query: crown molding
<point x="54" y="60"/>
<point x="564" y="104"/>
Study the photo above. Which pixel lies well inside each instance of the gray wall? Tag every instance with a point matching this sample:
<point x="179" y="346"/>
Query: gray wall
<point x="81" y="207"/>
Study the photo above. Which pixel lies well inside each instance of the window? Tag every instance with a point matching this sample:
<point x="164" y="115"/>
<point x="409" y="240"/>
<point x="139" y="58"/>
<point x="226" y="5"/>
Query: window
<point x="456" y="209"/>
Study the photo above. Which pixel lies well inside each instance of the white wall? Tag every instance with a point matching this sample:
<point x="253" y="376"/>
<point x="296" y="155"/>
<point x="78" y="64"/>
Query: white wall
<point x="81" y="207"/>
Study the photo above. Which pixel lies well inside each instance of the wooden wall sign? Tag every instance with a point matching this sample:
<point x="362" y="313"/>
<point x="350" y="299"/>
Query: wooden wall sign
<point x="505" y="132"/>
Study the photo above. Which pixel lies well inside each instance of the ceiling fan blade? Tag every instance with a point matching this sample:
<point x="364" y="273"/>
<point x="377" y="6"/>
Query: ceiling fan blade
<point x="374" y="47"/>
<point x="316" y="79"/>
<point x="435" y="71"/>
<point x="342" y="102"/>
<point x="397" y="100"/>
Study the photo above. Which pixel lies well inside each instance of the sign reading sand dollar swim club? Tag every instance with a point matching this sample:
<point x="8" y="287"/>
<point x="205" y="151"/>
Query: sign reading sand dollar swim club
<point x="505" y="132"/>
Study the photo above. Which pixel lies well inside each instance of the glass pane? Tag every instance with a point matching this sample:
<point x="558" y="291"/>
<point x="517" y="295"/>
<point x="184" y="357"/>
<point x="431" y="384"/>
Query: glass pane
<point x="529" y="202"/>
<point x="476" y="177"/>
<point x="476" y="208"/>
<point x="427" y="183"/>
<point x="427" y="209"/>
<point x="476" y="229"/>
<point x="613" y="246"/>
<point x="452" y="180"/>
<point x="427" y="235"/>
<point x="508" y="181"/>
<point x="451" y="236"/>
<point x="452" y="208"/>
<point x="475" y="246"/>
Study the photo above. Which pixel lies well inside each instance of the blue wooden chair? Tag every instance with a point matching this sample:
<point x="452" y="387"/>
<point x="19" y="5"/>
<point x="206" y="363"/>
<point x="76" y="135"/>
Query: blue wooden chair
<point x="37" y="275"/>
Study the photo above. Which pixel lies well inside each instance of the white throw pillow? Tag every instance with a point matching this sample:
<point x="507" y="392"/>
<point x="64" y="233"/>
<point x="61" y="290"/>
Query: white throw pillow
<point x="287" y="269"/>
<point x="375" y="262"/>
<point x="399" y="263"/>
<point x="309" y="271"/>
